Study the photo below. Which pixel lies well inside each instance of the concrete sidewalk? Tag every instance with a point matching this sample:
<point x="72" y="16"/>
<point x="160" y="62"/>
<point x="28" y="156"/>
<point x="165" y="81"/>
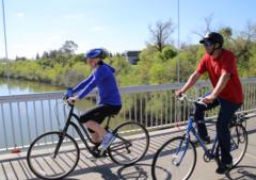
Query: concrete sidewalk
<point x="104" y="169"/>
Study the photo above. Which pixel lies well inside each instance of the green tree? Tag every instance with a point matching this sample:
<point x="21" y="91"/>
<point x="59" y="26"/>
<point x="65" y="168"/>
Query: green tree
<point x="69" y="47"/>
<point x="169" y="52"/>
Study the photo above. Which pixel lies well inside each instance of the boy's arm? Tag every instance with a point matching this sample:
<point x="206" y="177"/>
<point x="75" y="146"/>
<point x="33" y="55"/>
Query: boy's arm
<point x="88" y="88"/>
<point x="191" y="81"/>
<point x="82" y="84"/>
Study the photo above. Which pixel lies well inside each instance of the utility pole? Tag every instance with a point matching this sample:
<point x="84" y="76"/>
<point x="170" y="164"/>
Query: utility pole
<point x="5" y="43"/>
<point x="5" y="34"/>
<point x="178" y="43"/>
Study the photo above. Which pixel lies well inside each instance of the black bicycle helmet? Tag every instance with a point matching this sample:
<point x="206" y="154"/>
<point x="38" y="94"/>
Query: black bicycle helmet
<point x="213" y="37"/>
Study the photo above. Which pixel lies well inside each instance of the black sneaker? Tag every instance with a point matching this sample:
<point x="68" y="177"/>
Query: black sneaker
<point x="224" y="168"/>
<point x="206" y="140"/>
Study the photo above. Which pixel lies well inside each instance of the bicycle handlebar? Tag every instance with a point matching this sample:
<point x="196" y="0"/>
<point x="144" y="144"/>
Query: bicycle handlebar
<point x="68" y="94"/>
<point x="184" y="97"/>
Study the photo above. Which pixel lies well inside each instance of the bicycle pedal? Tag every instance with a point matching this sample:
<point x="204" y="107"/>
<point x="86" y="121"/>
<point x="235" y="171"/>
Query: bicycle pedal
<point x="103" y="153"/>
<point x="92" y="159"/>
<point x="196" y="143"/>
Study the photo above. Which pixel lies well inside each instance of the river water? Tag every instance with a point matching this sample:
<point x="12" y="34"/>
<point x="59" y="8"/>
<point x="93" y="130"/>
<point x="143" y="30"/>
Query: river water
<point x="14" y="87"/>
<point x="20" y="124"/>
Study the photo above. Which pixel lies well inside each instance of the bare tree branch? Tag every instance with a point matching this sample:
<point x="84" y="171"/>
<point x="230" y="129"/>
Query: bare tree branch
<point x="160" y="34"/>
<point x="207" y="28"/>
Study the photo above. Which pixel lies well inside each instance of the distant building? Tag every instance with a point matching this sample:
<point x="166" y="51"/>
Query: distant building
<point x="132" y="56"/>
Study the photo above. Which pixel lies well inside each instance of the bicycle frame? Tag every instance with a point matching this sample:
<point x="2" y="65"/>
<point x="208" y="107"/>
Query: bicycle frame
<point x="85" y="131"/>
<point x="190" y="128"/>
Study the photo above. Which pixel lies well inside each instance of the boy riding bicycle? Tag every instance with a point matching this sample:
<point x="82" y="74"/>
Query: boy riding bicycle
<point x="109" y="99"/>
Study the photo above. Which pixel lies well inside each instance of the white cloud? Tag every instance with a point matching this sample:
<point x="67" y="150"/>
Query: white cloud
<point x="97" y="28"/>
<point x="36" y="43"/>
<point x="73" y="16"/>
<point x="54" y="38"/>
<point x="20" y="14"/>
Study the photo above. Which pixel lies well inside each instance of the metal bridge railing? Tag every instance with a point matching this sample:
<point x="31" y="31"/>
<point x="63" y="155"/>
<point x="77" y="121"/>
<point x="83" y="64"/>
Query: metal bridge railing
<point x="24" y="117"/>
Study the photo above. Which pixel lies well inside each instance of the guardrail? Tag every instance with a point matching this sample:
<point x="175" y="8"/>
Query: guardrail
<point x="24" y="117"/>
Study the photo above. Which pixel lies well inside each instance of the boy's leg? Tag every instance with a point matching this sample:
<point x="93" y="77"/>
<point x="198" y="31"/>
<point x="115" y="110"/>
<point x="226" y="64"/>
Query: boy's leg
<point x="95" y="137"/>
<point x="95" y="117"/>
<point x="99" y="132"/>
<point x="92" y="119"/>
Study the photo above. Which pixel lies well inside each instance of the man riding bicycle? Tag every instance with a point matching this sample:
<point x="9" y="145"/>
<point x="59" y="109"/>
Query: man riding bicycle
<point x="227" y="92"/>
<point x="109" y="100"/>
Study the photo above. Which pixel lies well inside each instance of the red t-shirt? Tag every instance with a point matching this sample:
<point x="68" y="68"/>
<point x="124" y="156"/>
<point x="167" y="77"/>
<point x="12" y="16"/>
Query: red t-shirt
<point x="226" y="62"/>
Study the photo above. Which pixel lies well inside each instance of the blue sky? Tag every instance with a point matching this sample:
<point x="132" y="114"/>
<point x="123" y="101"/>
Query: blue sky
<point x="38" y="25"/>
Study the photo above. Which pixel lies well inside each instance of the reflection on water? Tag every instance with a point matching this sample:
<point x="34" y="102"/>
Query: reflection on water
<point x="15" y="87"/>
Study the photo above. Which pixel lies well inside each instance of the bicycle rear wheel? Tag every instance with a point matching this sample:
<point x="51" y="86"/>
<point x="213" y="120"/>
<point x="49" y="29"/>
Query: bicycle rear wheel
<point x="45" y="163"/>
<point x="238" y="144"/>
<point x="130" y="145"/>
<point x="176" y="159"/>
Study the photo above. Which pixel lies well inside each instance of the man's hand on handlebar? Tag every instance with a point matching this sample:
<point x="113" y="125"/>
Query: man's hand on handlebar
<point x="178" y="93"/>
<point x="209" y="99"/>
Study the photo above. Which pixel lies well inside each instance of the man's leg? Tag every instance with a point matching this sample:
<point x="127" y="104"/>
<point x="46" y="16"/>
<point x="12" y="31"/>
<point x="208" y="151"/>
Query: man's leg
<point x="227" y="111"/>
<point x="199" y="117"/>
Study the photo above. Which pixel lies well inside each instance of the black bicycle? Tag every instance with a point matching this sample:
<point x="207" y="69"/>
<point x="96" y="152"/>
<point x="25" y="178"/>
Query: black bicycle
<point x="55" y="154"/>
<point x="178" y="155"/>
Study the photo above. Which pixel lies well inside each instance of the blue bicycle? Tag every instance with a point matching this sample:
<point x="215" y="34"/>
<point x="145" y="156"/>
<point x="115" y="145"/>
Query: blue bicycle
<point x="176" y="159"/>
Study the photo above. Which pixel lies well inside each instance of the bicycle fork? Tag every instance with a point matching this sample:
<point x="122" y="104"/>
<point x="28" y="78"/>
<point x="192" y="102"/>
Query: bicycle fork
<point x="180" y="152"/>
<point x="61" y="138"/>
<point x="62" y="134"/>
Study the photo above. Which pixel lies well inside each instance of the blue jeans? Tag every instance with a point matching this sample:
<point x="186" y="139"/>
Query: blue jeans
<point x="227" y="111"/>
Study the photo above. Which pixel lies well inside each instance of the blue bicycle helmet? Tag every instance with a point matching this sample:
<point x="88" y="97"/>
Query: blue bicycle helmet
<point x="96" y="53"/>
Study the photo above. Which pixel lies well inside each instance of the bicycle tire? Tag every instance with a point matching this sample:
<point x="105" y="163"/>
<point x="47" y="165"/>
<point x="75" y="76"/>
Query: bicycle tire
<point x="238" y="130"/>
<point x="35" y="165"/>
<point x="138" y="137"/>
<point x="164" y="153"/>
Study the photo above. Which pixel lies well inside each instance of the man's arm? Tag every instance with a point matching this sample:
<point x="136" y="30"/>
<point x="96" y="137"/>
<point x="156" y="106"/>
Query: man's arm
<point x="191" y="81"/>
<point x="222" y="82"/>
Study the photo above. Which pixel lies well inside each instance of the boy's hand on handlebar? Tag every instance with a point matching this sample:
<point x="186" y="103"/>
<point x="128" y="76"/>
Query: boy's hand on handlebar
<point x="72" y="100"/>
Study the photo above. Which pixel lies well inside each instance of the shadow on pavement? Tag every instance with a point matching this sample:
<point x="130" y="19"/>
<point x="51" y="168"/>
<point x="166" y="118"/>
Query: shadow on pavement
<point x="105" y="172"/>
<point x="242" y="173"/>
<point x="139" y="172"/>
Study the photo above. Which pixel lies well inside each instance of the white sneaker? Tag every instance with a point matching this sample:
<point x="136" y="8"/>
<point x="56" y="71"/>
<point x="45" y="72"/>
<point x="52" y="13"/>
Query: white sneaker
<point x="106" y="142"/>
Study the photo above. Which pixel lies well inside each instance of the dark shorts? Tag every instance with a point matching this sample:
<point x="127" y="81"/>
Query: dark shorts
<point x="99" y="113"/>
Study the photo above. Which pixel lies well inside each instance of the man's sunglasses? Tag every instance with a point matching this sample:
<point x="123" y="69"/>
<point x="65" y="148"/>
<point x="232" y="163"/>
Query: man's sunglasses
<point x="207" y="43"/>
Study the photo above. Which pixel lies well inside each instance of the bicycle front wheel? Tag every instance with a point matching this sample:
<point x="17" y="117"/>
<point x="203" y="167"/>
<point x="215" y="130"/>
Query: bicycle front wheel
<point x="49" y="162"/>
<point x="130" y="145"/>
<point x="176" y="159"/>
